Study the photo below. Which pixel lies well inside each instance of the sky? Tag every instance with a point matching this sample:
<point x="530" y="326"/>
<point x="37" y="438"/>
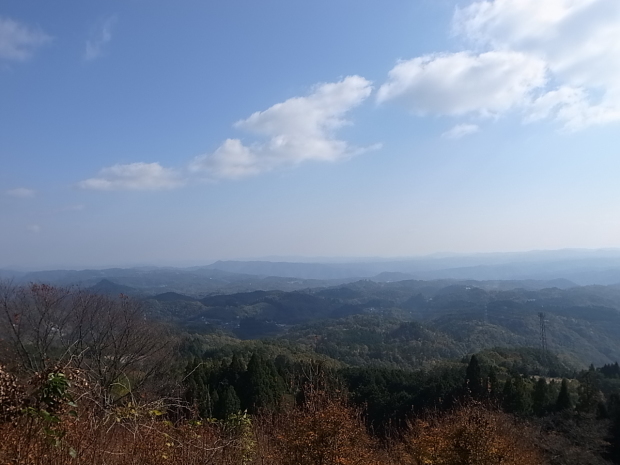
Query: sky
<point x="152" y="132"/>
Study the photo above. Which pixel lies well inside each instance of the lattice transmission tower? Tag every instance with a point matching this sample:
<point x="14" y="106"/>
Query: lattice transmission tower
<point x="543" y="334"/>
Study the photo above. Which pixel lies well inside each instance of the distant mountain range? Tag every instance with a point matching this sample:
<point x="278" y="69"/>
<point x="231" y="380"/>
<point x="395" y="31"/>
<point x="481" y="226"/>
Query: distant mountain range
<point x="582" y="267"/>
<point x="464" y="303"/>
<point x="571" y="266"/>
<point x="196" y="282"/>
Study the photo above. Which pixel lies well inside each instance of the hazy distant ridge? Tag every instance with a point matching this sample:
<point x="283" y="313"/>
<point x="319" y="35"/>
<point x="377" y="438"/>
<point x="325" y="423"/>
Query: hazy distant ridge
<point x="582" y="267"/>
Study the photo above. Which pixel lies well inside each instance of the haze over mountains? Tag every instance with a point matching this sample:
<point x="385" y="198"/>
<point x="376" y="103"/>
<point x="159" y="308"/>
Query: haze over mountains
<point x="580" y="266"/>
<point x="560" y="268"/>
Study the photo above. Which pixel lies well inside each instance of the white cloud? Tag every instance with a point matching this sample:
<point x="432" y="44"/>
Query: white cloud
<point x="459" y="83"/>
<point x="291" y="132"/>
<point x="134" y="176"/>
<point x="22" y="193"/>
<point x="579" y="40"/>
<point x="100" y="37"/>
<point x="297" y="130"/>
<point x="18" y="41"/>
<point x="555" y="59"/>
<point x="460" y="130"/>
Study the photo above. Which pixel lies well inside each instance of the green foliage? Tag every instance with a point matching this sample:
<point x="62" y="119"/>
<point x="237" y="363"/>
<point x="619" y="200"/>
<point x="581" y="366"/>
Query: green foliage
<point x="50" y="398"/>
<point x="227" y="388"/>
<point x="262" y="386"/>
<point x="391" y="395"/>
<point x="371" y="323"/>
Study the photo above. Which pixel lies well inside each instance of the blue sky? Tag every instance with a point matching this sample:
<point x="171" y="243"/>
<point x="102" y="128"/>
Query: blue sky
<point x="154" y="132"/>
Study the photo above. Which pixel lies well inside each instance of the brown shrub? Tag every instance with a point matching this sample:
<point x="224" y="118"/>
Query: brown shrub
<point x="471" y="435"/>
<point x="11" y="395"/>
<point x="323" y="431"/>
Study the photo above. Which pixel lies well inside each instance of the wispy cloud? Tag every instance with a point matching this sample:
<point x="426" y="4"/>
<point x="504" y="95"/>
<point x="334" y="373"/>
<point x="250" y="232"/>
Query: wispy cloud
<point x="18" y="42"/>
<point x="460" y="130"/>
<point x="99" y="38"/>
<point x="22" y="193"/>
<point x="134" y="176"/>
<point x="33" y="228"/>
<point x="297" y="130"/>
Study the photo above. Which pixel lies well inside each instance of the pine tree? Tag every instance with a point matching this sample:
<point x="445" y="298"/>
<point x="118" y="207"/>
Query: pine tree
<point x="540" y="397"/>
<point x="235" y="371"/>
<point x="473" y="379"/>
<point x="588" y="393"/>
<point x="563" y="402"/>
<point x="262" y="386"/>
<point x="515" y="396"/>
<point x="508" y="394"/>
<point x="228" y="403"/>
<point x="494" y="391"/>
<point x="522" y="401"/>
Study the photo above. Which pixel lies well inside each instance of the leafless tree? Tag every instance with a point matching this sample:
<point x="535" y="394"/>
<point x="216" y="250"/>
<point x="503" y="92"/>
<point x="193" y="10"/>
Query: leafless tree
<point x="108" y="338"/>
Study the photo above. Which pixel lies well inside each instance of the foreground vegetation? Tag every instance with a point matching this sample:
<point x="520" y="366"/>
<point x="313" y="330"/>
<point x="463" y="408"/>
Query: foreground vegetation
<point x="90" y="379"/>
<point x="321" y="428"/>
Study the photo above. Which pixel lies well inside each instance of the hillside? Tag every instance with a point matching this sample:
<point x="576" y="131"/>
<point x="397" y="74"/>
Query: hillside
<point x="411" y="323"/>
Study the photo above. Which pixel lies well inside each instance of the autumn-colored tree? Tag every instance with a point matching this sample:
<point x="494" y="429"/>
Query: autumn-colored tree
<point x="471" y="435"/>
<point x="324" y="431"/>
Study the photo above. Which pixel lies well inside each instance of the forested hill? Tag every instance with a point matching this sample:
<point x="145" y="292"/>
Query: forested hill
<point x="413" y="322"/>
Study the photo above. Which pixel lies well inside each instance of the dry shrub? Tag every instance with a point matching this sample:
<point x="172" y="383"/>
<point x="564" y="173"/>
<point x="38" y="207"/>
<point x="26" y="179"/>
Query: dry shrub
<point x="323" y="430"/>
<point x="471" y="435"/>
<point x="144" y="439"/>
<point x="11" y="395"/>
<point x="41" y="424"/>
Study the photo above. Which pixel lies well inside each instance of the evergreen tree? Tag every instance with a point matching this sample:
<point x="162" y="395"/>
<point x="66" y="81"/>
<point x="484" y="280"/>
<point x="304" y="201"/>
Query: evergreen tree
<point x="522" y="401"/>
<point x="563" y="402"/>
<point x="473" y="379"/>
<point x="515" y="396"/>
<point x="233" y="373"/>
<point x="540" y="397"/>
<point x="494" y="391"/>
<point x="587" y="391"/>
<point x="228" y="403"/>
<point x="285" y="366"/>
<point x="508" y="394"/>
<point x="202" y="399"/>
<point x="262" y="386"/>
